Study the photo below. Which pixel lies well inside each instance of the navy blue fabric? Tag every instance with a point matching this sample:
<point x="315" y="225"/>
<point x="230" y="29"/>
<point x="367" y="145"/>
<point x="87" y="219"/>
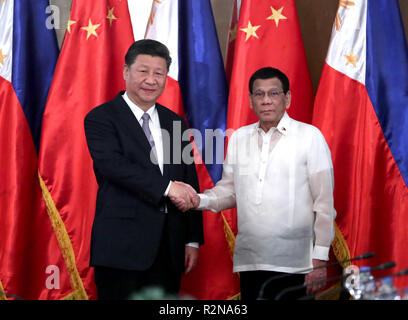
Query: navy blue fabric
<point x="35" y="53"/>
<point x="202" y="79"/>
<point x="387" y="76"/>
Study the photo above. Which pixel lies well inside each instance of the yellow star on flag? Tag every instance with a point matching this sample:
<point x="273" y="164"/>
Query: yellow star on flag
<point x="111" y="16"/>
<point x="91" y="29"/>
<point x="70" y="23"/>
<point x="2" y="57"/>
<point x="351" y="59"/>
<point x="276" y="15"/>
<point x="233" y="33"/>
<point x="250" y="31"/>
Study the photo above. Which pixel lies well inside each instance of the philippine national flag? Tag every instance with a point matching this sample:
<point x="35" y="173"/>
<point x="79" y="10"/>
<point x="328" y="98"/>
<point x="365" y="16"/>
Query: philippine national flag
<point x="362" y="109"/>
<point x="197" y="88"/>
<point x="28" y="54"/>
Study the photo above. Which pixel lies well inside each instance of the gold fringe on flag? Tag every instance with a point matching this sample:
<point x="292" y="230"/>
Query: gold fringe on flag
<point x="2" y="293"/>
<point x="65" y="245"/>
<point x="341" y="252"/>
<point x="236" y="297"/>
<point x="340" y="247"/>
<point x="229" y="236"/>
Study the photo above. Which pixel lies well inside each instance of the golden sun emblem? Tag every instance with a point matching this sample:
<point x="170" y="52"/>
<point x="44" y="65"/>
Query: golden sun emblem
<point x="342" y="4"/>
<point x="153" y="11"/>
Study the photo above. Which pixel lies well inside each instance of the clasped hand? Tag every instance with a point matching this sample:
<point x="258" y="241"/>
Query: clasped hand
<point x="183" y="196"/>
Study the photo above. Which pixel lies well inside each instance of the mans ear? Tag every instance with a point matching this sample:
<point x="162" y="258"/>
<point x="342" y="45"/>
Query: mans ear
<point x="288" y="98"/>
<point x="250" y="101"/>
<point x="125" y="72"/>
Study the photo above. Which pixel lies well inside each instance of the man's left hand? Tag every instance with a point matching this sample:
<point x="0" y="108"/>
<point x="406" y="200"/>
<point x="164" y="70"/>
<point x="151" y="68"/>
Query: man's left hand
<point x="316" y="280"/>
<point x="191" y="259"/>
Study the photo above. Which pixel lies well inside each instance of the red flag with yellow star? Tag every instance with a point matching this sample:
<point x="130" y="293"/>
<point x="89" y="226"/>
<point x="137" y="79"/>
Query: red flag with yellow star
<point x="88" y="73"/>
<point x="268" y="34"/>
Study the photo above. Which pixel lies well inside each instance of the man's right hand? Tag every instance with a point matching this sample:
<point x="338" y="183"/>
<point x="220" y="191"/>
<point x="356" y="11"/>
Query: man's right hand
<point x="183" y="196"/>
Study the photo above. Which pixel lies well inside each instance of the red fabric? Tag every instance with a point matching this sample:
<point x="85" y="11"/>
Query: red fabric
<point x="88" y="73"/>
<point x="279" y="47"/>
<point x="231" y="41"/>
<point x="171" y="97"/>
<point x="24" y="252"/>
<point x="370" y="204"/>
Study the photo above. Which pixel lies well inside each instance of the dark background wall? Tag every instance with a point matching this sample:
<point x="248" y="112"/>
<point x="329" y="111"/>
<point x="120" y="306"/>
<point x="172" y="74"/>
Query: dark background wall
<point x="315" y="17"/>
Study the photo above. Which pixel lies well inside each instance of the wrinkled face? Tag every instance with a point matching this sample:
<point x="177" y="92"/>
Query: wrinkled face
<point x="145" y="79"/>
<point x="268" y="101"/>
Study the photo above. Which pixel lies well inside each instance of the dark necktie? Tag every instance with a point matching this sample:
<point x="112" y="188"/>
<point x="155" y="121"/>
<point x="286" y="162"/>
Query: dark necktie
<point x="148" y="133"/>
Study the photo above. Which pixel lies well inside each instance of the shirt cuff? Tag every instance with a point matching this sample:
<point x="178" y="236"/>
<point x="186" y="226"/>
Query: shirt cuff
<point x="203" y="202"/>
<point x="192" y="244"/>
<point x="167" y="190"/>
<point x="321" y="253"/>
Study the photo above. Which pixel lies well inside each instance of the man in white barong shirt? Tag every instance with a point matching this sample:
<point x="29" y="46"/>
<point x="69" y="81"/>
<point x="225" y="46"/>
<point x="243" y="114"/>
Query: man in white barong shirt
<point x="279" y="174"/>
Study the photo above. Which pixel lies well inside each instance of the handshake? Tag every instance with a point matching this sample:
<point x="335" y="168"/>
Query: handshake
<point x="183" y="196"/>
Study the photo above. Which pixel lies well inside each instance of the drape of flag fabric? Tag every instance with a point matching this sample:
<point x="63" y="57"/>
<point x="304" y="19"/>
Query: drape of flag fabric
<point x="361" y="108"/>
<point x="199" y="90"/>
<point x="232" y="35"/>
<point x="28" y="54"/>
<point x="88" y="73"/>
<point x="268" y="34"/>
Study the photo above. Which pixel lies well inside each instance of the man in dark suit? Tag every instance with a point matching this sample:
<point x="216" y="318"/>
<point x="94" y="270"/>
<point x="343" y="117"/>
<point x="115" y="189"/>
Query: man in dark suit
<point x="139" y="237"/>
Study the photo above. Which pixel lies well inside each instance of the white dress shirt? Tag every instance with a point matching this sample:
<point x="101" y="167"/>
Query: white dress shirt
<point x="282" y="184"/>
<point x="155" y="129"/>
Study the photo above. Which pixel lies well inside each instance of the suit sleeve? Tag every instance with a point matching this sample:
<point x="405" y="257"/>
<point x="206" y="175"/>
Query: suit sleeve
<point x="138" y="176"/>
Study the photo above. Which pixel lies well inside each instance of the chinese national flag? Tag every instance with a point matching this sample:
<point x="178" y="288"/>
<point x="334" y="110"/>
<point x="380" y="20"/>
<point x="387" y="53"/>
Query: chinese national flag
<point x="88" y="73"/>
<point x="268" y="34"/>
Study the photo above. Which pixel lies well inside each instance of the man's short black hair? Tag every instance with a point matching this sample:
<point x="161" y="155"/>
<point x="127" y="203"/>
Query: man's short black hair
<point x="150" y="47"/>
<point x="268" y="73"/>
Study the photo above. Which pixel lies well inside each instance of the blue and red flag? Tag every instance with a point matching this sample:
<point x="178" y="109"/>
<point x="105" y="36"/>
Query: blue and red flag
<point x="362" y="109"/>
<point x="197" y="87"/>
<point x="28" y="54"/>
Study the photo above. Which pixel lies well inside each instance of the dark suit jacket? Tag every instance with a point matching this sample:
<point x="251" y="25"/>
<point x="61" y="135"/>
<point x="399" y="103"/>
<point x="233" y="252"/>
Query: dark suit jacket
<point x="128" y="224"/>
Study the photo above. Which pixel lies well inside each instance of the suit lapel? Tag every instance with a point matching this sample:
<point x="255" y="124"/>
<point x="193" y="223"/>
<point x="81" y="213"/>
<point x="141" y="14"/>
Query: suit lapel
<point x="166" y="124"/>
<point x="130" y="123"/>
